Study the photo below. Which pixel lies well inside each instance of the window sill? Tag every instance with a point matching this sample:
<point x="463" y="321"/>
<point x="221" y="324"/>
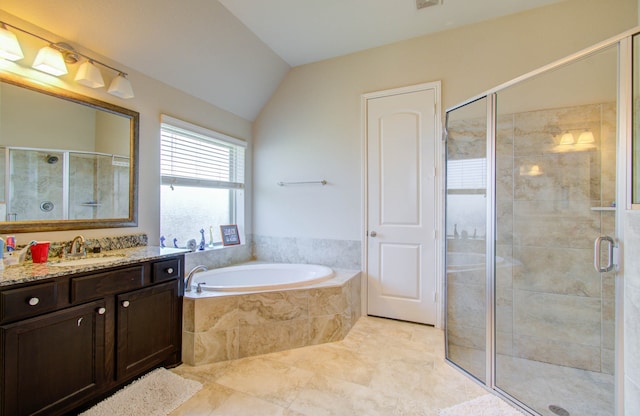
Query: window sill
<point x="216" y="248"/>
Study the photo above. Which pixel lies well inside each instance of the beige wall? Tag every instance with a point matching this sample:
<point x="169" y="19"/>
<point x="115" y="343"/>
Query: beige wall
<point x="310" y="129"/>
<point x="152" y="99"/>
<point x="37" y="120"/>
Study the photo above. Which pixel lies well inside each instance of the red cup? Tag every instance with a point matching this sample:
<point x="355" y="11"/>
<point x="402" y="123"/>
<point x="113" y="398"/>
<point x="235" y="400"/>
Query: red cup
<point x="40" y="252"/>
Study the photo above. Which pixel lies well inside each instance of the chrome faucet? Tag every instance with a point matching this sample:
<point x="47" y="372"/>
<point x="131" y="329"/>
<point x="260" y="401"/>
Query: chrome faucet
<point x="77" y="248"/>
<point x="189" y="277"/>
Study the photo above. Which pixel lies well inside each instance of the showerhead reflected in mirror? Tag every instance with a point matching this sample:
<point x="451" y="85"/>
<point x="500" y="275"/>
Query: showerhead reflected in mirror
<point x="74" y="155"/>
<point x="52" y="159"/>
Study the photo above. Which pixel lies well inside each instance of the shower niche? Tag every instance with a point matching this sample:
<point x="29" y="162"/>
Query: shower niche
<point x="54" y="184"/>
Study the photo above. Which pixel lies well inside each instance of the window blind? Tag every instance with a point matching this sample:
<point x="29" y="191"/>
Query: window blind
<point x="194" y="156"/>
<point x="467" y="174"/>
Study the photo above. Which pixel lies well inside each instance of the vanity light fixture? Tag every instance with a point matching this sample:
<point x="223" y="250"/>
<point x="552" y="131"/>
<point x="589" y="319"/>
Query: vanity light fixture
<point x="52" y="58"/>
<point x="51" y="61"/>
<point x="89" y="75"/>
<point x="9" y="46"/>
<point x="121" y="87"/>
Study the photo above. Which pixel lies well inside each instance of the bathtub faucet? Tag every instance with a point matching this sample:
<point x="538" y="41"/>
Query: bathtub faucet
<point x="199" y="268"/>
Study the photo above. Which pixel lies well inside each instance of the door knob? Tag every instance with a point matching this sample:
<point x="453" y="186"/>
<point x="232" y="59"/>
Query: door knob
<point x="102" y="311"/>
<point x="373" y="234"/>
<point x="125" y="304"/>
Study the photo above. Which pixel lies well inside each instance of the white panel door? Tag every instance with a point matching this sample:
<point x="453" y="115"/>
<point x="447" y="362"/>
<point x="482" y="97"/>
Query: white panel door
<point x="401" y="142"/>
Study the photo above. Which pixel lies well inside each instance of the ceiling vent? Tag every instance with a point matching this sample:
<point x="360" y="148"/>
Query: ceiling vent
<point x="421" y="4"/>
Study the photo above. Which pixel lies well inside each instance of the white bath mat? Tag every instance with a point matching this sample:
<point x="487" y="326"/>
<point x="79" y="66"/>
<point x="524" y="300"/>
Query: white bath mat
<point x="155" y="394"/>
<point x="487" y="405"/>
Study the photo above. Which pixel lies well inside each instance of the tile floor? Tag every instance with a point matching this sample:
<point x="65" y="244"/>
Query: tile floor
<point x="383" y="367"/>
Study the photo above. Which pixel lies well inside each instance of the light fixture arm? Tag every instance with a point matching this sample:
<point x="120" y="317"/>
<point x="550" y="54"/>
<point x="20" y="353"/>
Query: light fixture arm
<point x="64" y="48"/>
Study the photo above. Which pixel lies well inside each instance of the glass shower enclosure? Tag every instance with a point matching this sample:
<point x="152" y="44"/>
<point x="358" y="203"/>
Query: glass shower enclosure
<point x="55" y="184"/>
<point x="532" y="200"/>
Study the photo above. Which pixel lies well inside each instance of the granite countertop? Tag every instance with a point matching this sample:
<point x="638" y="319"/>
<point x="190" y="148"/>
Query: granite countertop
<point x="28" y="271"/>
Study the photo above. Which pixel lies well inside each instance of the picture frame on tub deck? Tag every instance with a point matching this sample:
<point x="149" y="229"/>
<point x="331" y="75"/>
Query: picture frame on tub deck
<point x="230" y="236"/>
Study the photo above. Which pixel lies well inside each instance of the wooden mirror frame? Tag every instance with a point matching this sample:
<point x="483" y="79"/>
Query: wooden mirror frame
<point x="61" y="225"/>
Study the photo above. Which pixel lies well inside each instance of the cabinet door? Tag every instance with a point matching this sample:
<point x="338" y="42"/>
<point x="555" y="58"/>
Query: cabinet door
<point x="53" y="361"/>
<point x="148" y="322"/>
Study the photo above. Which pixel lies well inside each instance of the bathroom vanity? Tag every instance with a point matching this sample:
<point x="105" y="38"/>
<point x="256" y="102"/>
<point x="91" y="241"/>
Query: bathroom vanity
<point x="73" y="334"/>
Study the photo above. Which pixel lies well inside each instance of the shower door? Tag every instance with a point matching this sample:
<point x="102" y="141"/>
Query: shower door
<point x="555" y="194"/>
<point x="531" y="186"/>
<point x="466" y="230"/>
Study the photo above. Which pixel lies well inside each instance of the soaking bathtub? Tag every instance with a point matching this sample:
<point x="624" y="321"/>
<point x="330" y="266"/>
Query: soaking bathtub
<point x="258" y="308"/>
<point x="261" y="276"/>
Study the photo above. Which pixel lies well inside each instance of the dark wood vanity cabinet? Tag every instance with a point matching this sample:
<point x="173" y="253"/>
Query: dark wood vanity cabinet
<point x="149" y="327"/>
<point x="68" y="341"/>
<point x="53" y="360"/>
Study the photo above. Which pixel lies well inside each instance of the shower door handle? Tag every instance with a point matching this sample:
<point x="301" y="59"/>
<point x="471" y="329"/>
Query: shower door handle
<point x="596" y="254"/>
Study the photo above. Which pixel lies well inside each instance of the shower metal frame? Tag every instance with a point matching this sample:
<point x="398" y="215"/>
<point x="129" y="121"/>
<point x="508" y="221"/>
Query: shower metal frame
<point x="624" y="141"/>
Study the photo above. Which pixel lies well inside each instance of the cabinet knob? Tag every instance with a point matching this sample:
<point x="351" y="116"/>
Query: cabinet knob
<point x="34" y="301"/>
<point x="125" y="303"/>
<point x="102" y="311"/>
<point x="170" y="270"/>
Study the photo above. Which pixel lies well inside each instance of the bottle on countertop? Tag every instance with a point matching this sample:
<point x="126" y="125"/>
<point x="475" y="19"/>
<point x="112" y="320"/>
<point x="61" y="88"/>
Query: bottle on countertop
<point x="1" y="254"/>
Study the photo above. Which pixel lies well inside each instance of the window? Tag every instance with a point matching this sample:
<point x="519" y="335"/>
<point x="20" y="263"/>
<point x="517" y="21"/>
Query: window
<point x="202" y="185"/>
<point x="466" y="198"/>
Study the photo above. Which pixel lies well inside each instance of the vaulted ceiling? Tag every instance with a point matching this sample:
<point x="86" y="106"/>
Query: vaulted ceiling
<point x="234" y="53"/>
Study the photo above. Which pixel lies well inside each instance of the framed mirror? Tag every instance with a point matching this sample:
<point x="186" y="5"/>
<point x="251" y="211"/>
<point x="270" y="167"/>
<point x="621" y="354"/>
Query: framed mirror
<point x="66" y="161"/>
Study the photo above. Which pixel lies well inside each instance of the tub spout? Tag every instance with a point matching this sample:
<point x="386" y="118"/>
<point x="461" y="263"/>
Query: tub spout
<point x="199" y="268"/>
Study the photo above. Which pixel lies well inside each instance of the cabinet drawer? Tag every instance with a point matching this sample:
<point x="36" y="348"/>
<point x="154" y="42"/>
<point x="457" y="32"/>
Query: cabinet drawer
<point x="100" y="284"/>
<point x="27" y="301"/>
<point x="166" y="270"/>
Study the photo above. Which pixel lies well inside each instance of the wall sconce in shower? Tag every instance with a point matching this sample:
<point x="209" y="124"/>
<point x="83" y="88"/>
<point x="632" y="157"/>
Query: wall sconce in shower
<point x="530" y="170"/>
<point x="567" y="138"/>
<point x="586" y="137"/>
<point x="54" y="57"/>
<point x="566" y="142"/>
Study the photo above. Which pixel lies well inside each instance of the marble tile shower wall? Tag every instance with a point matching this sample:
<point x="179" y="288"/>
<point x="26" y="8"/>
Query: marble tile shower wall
<point x="563" y="310"/>
<point x="92" y="179"/>
<point x="82" y="202"/>
<point x="34" y="181"/>
<point x="551" y="308"/>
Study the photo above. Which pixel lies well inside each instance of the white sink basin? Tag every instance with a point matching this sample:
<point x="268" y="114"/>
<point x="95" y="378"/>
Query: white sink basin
<point x="87" y="261"/>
